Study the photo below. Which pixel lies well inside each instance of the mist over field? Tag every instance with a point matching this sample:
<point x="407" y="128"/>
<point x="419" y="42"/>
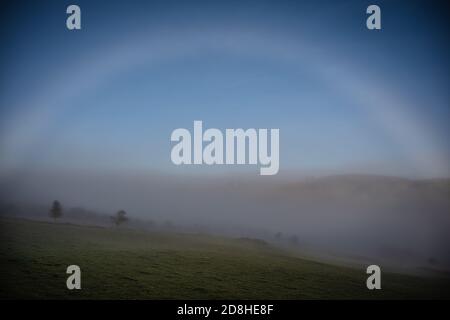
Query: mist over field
<point x="360" y="218"/>
<point x="89" y="120"/>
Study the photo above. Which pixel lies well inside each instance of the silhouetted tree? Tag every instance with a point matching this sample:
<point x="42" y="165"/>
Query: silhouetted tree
<point x="294" y="240"/>
<point x="119" y="218"/>
<point x="432" y="261"/>
<point x="168" y="224"/>
<point x="56" y="210"/>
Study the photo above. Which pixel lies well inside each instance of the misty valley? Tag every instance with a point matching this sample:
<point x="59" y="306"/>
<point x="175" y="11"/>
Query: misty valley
<point x="365" y="219"/>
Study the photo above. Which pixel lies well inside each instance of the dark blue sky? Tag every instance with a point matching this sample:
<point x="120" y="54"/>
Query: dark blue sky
<point x="108" y="96"/>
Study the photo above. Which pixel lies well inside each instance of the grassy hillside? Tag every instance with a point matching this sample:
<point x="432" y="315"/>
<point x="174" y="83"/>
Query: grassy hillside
<point x="129" y="264"/>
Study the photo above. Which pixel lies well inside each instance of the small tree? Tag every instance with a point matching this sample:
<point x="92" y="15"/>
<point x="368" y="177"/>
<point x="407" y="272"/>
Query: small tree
<point x="56" y="210"/>
<point x="119" y="218"/>
<point x="294" y="240"/>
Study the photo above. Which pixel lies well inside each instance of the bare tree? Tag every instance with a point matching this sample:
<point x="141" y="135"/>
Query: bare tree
<point x="294" y="240"/>
<point x="119" y="218"/>
<point x="56" y="210"/>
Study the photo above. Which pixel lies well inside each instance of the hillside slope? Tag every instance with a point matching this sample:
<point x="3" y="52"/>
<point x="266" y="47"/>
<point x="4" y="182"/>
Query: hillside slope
<point x="129" y="264"/>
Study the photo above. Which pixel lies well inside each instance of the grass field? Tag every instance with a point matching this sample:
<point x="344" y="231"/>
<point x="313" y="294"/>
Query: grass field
<point x="129" y="264"/>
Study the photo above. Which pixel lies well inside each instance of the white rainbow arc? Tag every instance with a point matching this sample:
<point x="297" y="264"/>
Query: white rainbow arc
<point x="387" y="109"/>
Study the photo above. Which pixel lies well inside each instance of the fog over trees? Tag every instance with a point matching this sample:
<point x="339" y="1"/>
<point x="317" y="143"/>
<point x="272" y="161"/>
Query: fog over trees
<point x="403" y="221"/>
<point x="56" y="210"/>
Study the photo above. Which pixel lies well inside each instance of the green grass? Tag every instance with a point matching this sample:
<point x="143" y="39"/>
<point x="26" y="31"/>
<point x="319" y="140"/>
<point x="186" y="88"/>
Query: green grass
<point x="130" y="264"/>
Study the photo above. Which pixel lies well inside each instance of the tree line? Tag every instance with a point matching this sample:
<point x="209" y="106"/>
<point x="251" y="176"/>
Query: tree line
<point x="56" y="212"/>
